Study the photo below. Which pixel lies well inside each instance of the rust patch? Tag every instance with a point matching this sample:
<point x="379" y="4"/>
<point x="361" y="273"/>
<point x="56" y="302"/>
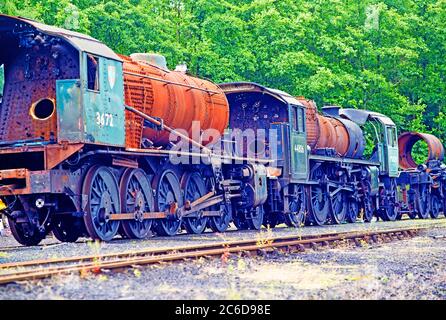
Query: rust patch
<point x="31" y="71"/>
<point x="177" y="105"/>
<point x="406" y="142"/>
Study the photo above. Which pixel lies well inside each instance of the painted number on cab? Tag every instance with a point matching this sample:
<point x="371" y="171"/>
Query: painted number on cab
<point x="104" y="119"/>
<point x="299" y="148"/>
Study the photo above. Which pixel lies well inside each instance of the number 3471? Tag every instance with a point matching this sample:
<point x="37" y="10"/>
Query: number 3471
<point x="104" y="119"/>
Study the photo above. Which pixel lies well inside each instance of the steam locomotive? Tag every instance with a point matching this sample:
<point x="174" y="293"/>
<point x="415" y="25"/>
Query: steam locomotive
<point x="98" y="144"/>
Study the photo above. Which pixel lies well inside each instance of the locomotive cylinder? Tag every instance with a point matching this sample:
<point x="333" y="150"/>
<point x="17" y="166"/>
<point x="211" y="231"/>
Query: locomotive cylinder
<point x="332" y="132"/>
<point x="173" y="96"/>
<point x="407" y="141"/>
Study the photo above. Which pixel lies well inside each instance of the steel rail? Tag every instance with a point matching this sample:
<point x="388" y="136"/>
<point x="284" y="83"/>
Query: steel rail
<point x="193" y="247"/>
<point x="150" y="256"/>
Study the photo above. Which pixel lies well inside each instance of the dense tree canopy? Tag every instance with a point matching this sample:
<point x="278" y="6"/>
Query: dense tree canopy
<point x="387" y="56"/>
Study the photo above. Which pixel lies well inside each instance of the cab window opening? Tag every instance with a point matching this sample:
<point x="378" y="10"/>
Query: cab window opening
<point x="93" y="72"/>
<point x="295" y="119"/>
<point x="374" y="136"/>
<point x="391" y="135"/>
<point x="302" y="120"/>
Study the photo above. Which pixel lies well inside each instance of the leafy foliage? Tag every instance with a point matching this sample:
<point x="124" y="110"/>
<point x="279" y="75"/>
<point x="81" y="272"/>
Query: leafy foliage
<point x="386" y="56"/>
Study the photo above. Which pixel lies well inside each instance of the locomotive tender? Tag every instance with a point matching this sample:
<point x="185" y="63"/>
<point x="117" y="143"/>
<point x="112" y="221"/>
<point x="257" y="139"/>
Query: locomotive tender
<point x="96" y="144"/>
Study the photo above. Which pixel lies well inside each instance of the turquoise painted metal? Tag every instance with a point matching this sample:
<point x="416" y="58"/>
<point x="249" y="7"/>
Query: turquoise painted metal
<point x="392" y="150"/>
<point x="298" y="143"/>
<point x="93" y="115"/>
<point x="69" y="110"/>
<point x="374" y="180"/>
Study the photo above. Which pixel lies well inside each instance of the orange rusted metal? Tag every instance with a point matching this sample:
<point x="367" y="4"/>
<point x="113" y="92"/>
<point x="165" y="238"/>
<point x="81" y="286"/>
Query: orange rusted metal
<point x="324" y="132"/>
<point x="56" y="153"/>
<point x="342" y="136"/>
<point x="328" y="132"/>
<point x="13" y="174"/>
<point x="407" y="140"/>
<point x="312" y="121"/>
<point x="173" y="96"/>
<point x="30" y="77"/>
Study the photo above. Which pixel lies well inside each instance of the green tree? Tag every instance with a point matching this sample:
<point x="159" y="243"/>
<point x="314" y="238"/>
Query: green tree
<point x="386" y="56"/>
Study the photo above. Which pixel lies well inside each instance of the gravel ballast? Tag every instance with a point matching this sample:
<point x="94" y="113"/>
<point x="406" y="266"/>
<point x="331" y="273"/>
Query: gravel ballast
<point x="11" y="251"/>
<point x="407" y="269"/>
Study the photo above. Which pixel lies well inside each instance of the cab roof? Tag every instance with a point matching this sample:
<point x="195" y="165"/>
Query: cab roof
<point x="81" y="42"/>
<point x="239" y="87"/>
<point x="361" y="116"/>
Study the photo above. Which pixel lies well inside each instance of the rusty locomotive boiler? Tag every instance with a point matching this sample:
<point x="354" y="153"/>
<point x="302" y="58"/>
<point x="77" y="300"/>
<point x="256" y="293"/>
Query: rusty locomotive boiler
<point x="97" y="144"/>
<point x="332" y="131"/>
<point x="176" y="104"/>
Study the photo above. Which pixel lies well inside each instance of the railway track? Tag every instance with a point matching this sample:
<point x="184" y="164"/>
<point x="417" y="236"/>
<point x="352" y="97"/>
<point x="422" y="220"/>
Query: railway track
<point x="39" y="269"/>
<point x="115" y="240"/>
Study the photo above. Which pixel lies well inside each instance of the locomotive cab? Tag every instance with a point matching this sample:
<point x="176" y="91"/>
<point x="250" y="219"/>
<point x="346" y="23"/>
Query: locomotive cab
<point x="384" y="135"/>
<point x="58" y="86"/>
<point x="268" y="124"/>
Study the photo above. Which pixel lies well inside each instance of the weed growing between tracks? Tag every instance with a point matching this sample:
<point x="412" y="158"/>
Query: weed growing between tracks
<point x="373" y="270"/>
<point x="412" y="269"/>
<point x="265" y="237"/>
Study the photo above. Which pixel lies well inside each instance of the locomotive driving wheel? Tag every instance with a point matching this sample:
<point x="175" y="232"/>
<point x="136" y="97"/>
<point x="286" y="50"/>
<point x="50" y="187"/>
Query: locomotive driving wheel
<point x="194" y="188"/>
<point x="297" y="204"/>
<point x="435" y="206"/>
<point x="339" y="203"/>
<point x="319" y="200"/>
<point x="219" y="223"/>
<point x="251" y="219"/>
<point x="388" y="209"/>
<point x="352" y="210"/>
<point x="256" y="221"/>
<point x="167" y="194"/>
<point x="137" y="198"/>
<point x="367" y="201"/>
<point x="423" y="201"/>
<point x="102" y="191"/>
